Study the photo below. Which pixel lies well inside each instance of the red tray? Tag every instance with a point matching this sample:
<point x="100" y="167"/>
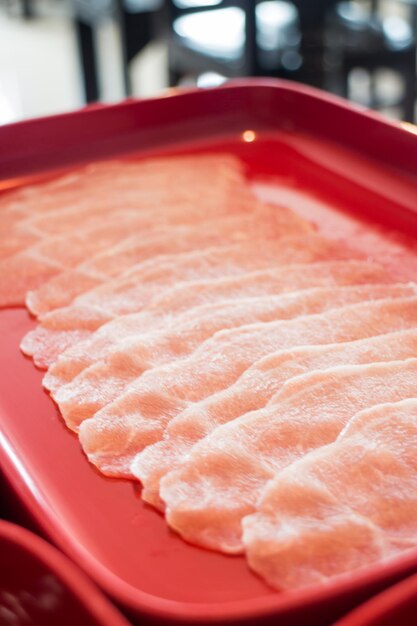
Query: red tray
<point x="396" y="606"/>
<point x="349" y="170"/>
<point x="39" y="585"/>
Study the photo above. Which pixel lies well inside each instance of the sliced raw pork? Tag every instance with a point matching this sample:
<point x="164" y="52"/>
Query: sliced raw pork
<point x="13" y="240"/>
<point x="174" y="174"/>
<point x="165" y="309"/>
<point x="343" y="506"/>
<point x="37" y="264"/>
<point x="263" y="222"/>
<point x="140" y="415"/>
<point x="79" y="200"/>
<point x="253" y="390"/>
<point x="107" y="379"/>
<point x="163" y="206"/>
<point x="137" y="287"/>
<point x="49" y="258"/>
<point x="222" y="479"/>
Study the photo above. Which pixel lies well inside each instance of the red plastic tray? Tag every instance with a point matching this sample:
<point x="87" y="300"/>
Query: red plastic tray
<point x="350" y="171"/>
<point x="396" y="606"/>
<point x="39" y="585"/>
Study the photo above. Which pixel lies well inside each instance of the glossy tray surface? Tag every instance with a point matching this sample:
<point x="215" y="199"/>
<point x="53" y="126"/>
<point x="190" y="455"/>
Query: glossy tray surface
<point x="348" y="171"/>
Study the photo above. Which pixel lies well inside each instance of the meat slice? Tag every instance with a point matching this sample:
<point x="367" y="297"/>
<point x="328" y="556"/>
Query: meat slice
<point x="253" y="390"/>
<point x="136" y="288"/>
<point x="105" y="380"/>
<point x="194" y="191"/>
<point x="140" y="415"/>
<point x="14" y="239"/>
<point x="100" y="177"/>
<point x="180" y="176"/>
<point x="223" y="477"/>
<point x="343" y="506"/>
<point x="48" y="258"/>
<point x="139" y="195"/>
<point x="39" y="263"/>
<point x="79" y="200"/>
<point x="159" y="204"/>
<point x="164" y="309"/>
<point x="263" y="222"/>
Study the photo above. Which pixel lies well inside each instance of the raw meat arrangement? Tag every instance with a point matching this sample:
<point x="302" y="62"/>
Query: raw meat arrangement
<point x="372" y="475"/>
<point x="257" y="378"/>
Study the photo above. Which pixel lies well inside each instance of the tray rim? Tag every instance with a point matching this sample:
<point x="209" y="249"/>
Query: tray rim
<point x="65" y="570"/>
<point x="243" y="89"/>
<point x="391" y="599"/>
<point x="242" y="610"/>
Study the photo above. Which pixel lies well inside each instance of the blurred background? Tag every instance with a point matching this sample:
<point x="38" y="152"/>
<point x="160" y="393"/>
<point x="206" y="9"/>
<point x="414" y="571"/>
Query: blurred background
<point x="57" y="55"/>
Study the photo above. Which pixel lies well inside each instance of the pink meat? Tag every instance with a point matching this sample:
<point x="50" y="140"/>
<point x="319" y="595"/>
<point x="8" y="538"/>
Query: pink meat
<point x="343" y="506"/>
<point x="253" y="390"/>
<point x="223" y="477"/>
<point x="14" y="239"/>
<point x="163" y="187"/>
<point x="140" y="415"/>
<point x="263" y="221"/>
<point x="136" y="288"/>
<point x="79" y="199"/>
<point x="106" y="379"/>
<point x="98" y="178"/>
<point x="161" y="204"/>
<point x="172" y="302"/>
<point x="37" y="264"/>
<point x="48" y="259"/>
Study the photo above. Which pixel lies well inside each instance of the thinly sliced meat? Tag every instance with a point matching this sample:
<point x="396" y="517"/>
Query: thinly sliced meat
<point x="105" y="380"/>
<point x="14" y="240"/>
<point x="343" y="506"/>
<point x="101" y="177"/>
<point x="165" y="309"/>
<point x="156" y="204"/>
<point x="252" y="391"/>
<point x="264" y="221"/>
<point x="135" y="289"/>
<point x="140" y="415"/>
<point x="272" y="280"/>
<point x="10" y="222"/>
<point x="54" y="208"/>
<point x="223" y="477"/>
<point x="47" y="259"/>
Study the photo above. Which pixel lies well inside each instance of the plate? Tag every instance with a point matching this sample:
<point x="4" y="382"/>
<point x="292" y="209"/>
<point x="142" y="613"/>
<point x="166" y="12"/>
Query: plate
<point x="349" y="171"/>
